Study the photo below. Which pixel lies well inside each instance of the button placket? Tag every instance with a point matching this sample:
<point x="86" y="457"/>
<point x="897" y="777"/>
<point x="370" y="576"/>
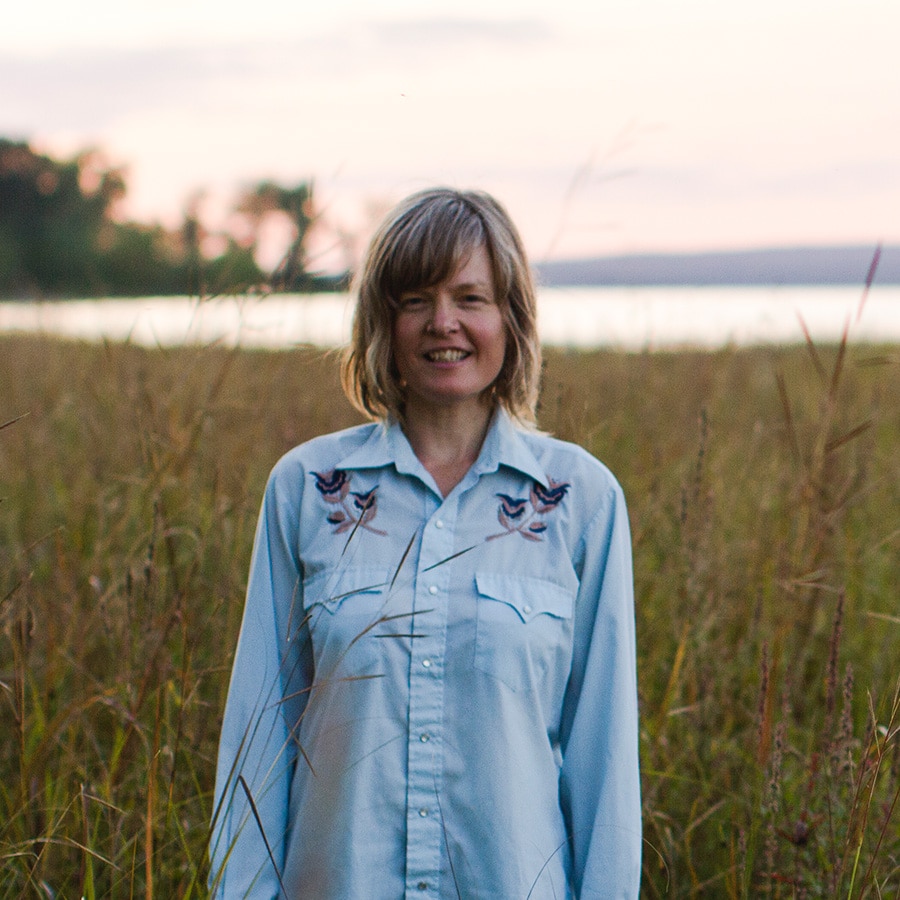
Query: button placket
<point x="424" y="835"/>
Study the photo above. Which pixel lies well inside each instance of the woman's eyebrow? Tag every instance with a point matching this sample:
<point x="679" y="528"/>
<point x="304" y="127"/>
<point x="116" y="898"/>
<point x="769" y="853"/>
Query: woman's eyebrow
<point x="463" y="286"/>
<point x="468" y="285"/>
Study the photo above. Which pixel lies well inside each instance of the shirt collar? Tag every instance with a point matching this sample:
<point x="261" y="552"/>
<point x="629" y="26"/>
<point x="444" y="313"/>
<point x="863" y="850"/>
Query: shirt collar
<point x="504" y="445"/>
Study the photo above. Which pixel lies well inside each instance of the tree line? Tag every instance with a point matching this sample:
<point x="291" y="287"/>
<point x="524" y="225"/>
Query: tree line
<point x="59" y="236"/>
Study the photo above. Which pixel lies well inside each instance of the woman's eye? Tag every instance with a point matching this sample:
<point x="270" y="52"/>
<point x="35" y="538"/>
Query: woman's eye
<point x="411" y="301"/>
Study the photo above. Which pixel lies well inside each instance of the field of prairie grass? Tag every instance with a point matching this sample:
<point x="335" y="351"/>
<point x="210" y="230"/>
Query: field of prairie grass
<point x="764" y="493"/>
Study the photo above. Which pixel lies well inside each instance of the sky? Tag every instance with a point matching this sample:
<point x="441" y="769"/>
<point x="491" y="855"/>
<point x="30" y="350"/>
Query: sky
<point x="605" y="127"/>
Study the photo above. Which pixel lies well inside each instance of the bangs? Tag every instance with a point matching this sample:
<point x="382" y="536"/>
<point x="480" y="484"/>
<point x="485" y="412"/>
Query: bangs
<point x="428" y="249"/>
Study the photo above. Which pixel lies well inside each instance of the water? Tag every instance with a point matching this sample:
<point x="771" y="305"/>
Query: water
<point x="633" y="318"/>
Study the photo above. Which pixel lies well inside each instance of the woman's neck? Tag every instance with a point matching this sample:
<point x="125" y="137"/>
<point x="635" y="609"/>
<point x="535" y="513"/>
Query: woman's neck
<point x="447" y="440"/>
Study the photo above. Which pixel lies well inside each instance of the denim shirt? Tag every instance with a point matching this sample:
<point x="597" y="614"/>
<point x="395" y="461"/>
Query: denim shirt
<point x="433" y="697"/>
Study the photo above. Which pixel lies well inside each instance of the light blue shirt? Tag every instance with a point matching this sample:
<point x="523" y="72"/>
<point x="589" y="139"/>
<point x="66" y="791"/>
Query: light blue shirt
<point x="433" y="697"/>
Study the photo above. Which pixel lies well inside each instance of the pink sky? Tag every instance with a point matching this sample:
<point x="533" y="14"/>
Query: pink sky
<point x="606" y="127"/>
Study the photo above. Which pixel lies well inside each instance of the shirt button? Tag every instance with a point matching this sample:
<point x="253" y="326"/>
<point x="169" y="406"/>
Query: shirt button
<point x="526" y="609"/>
<point x="438" y="524"/>
<point x="433" y="589"/>
<point x="422" y="885"/>
<point x="426" y="663"/>
<point x="423" y="812"/>
<point x="424" y="738"/>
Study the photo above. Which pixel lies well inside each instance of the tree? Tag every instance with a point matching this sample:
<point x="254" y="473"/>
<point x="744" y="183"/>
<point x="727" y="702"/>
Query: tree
<point x="51" y="218"/>
<point x="296" y="203"/>
<point x="59" y="236"/>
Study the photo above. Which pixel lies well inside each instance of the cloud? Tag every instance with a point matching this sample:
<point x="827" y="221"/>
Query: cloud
<point x="88" y="91"/>
<point x="452" y="33"/>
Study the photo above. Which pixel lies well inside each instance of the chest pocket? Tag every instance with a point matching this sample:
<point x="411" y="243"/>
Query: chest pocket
<point x="524" y="629"/>
<point x="343" y="609"/>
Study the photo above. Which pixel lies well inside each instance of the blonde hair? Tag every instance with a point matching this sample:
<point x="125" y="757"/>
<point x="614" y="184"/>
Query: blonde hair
<point x="420" y="243"/>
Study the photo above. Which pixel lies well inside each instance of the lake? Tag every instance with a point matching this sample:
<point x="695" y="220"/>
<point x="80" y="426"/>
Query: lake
<point x="630" y="318"/>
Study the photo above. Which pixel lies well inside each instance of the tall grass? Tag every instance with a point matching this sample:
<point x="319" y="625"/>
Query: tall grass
<point x="764" y="492"/>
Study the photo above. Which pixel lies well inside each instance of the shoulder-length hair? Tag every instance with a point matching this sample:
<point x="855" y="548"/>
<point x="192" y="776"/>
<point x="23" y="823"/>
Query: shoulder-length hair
<point x="420" y="243"/>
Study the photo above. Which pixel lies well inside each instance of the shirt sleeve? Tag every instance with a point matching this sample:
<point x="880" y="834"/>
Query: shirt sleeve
<point x="600" y="778"/>
<point x="268" y="690"/>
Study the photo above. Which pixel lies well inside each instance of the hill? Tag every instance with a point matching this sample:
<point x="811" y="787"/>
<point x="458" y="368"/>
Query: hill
<point x="782" y="266"/>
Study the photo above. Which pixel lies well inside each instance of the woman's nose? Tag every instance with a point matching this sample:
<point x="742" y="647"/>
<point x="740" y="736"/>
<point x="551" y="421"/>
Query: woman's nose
<point x="443" y="317"/>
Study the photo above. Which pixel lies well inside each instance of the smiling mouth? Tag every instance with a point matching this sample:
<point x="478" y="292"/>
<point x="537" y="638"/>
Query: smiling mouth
<point x="446" y="355"/>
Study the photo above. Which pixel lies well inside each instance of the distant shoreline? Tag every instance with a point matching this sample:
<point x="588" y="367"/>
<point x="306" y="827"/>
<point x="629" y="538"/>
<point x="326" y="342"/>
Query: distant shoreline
<point x="837" y="266"/>
<point x="795" y="266"/>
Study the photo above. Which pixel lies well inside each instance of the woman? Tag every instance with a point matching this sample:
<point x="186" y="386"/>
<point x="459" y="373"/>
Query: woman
<point x="434" y="689"/>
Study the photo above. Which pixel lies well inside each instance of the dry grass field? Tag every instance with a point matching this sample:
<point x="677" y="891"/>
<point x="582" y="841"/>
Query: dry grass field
<point x="764" y="493"/>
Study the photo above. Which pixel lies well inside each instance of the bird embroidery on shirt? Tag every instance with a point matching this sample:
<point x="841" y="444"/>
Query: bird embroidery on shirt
<point x="350" y="509"/>
<point x="516" y="518"/>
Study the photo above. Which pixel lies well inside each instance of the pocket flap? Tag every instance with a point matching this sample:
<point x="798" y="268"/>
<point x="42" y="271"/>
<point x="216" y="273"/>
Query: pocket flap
<point x="331" y="587"/>
<point x="528" y="596"/>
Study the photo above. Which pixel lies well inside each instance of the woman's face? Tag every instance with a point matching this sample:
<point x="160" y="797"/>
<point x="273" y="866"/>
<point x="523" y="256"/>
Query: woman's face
<point x="450" y="340"/>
